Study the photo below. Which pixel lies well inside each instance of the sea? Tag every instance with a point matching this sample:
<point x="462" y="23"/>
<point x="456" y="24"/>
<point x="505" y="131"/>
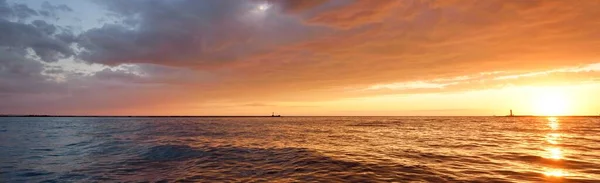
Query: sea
<point x="300" y="149"/>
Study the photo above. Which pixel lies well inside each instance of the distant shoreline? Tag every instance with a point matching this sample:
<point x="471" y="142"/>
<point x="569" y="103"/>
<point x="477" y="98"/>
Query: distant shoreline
<point x="183" y="116"/>
<point x="102" y="116"/>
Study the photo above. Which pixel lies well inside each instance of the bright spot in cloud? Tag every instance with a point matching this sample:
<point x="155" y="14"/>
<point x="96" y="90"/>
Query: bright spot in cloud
<point x="263" y="7"/>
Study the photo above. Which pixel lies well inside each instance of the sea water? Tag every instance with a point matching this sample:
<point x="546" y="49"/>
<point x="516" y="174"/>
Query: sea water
<point x="301" y="149"/>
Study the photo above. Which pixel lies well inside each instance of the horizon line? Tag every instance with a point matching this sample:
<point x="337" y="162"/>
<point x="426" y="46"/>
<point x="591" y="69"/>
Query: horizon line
<point x="208" y="116"/>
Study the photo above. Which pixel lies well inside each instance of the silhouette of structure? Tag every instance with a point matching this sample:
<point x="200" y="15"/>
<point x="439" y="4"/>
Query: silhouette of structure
<point x="273" y="115"/>
<point x="511" y="114"/>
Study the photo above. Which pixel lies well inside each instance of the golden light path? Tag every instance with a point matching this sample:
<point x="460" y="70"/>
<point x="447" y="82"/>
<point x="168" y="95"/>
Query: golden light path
<point x="555" y="173"/>
<point x="554" y="151"/>
<point x="553" y="138"/>
<point x="553" y="123"/>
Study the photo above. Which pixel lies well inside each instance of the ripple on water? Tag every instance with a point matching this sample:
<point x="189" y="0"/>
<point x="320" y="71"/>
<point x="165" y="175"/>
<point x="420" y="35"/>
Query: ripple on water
<point x="32" y="173"/>
<point x="171" y="153"/>
<point x="43" y="149"/>
<point x="239" y="164"/>
<point x="308" y="149"/>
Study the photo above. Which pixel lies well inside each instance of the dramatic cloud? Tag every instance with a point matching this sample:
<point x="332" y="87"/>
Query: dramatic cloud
<point x="187" y="54"/>
<point x="49" y="10"/>
<point x="445" y="40"/>
<point x="20" y="11"/>
<point x="358" y="13"/>
<point x="38" y="36"/>
<point x="23" y="49"/>
<point x="188" y="33"/>
<point x="299" y="6"/>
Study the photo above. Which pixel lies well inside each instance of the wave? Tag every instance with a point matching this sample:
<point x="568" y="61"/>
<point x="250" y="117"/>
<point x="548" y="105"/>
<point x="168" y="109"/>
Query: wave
<point x="328" y="149"/>
<point x="173" y="162"/>
<point x="171" y="153"/>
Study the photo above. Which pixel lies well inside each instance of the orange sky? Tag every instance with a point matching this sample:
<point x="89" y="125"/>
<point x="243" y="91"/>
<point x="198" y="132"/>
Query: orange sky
<point x="315" y="57"/>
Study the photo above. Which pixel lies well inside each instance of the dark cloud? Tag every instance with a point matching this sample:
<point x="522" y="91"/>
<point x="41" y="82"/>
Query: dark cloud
<point x="19" y="11"/>
<point x="49" y="10"/>
<point x="61" y="7"/>
<point x="48" y="42"/>
<point x="5" y="10"/>
<point x="29" y="85"/>
<point x="44" y="27"/>
<point x="21" y="76"/>
<point x="21" y="44"/>
<point x="188" y="33"/>
<point x="22" y="11"/>
<point x="39" y="36"/>
<point x="19" y="73"/>
<point x="14" y="65"/>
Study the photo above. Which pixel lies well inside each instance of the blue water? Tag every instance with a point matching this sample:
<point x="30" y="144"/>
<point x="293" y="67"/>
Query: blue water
<point x="301" y="149"/>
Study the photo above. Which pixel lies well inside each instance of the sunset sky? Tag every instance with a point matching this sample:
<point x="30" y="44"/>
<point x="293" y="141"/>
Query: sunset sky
<point x="292" y="57"/>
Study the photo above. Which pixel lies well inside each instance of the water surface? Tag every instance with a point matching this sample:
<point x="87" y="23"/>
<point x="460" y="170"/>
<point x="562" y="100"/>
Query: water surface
<point x="301" y="149"/>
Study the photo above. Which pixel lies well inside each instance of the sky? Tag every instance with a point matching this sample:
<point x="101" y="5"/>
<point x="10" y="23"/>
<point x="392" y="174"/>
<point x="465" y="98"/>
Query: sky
<point x="292" y="57"/>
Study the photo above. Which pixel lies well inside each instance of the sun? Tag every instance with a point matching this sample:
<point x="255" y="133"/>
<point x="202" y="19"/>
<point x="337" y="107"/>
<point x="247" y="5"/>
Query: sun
<point x="550" y="103"/>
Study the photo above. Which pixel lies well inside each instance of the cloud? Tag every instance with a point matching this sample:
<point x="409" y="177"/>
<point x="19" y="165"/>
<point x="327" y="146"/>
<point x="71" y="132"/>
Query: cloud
<point x="292" y="6"/>
<point x="186" y="52"/>
<point x="258" y="105"/>
<point x="17" y="10"/>
<point x="440" y="41"/>
<point x="446" y="36"/>
<point x="24" y="46"/>
<point x="187" y="33"/>
<point x="357" y="13"/>
<point x="28" y="50"/>
<point x="22" y="11"/>
<point x="49" y="10"/>
<point x="566" y="76"/>
<point x="19" y="74"/>
<point x="5" y="10"/>
<point x="61" y="7"/>
<point x="38" y="36"/>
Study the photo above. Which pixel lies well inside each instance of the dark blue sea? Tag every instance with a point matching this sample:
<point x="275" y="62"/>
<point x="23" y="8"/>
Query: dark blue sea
<point x="300" y="149"/>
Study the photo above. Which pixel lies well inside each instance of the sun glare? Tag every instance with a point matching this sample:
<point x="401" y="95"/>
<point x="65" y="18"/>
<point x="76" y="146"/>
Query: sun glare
<point x="551" y="103"/>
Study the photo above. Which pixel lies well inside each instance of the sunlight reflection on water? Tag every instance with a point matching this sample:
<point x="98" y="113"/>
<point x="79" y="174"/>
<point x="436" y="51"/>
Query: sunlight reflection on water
<point x="555" y="173"/>
<point x="554" y="151"/>
<point x="300" y="149"/>
<point x="553" y="138"/>
<point x="553" y="123"/>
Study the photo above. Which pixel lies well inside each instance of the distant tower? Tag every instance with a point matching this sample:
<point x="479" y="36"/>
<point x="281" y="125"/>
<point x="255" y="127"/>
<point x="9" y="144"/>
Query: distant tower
<point x="511" y="114"/>
<point x="272" y="113"/>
